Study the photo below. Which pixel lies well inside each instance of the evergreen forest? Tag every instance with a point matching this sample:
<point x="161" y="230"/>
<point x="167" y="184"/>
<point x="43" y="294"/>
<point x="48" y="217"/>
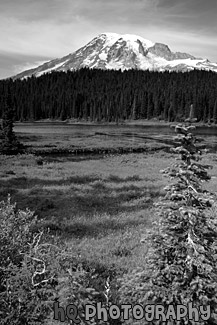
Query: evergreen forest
<point x="112" y="96"/>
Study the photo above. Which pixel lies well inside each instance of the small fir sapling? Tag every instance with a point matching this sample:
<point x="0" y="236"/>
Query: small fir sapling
<point x="182" y="260"/>
<point x="186" y="243"/>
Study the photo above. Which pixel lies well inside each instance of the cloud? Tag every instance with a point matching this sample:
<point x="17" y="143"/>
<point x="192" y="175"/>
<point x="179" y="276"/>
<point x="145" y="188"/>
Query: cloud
<point x="46" y="38"/>
<point x="51" y="22"/>
<point x="11" y="64"/>
<point x="27" y="65"/>
<point x="31" y="10"/>
<point x="190" y="15"/>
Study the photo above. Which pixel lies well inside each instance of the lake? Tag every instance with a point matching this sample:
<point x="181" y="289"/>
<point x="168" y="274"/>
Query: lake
<point x="132" y="134"/>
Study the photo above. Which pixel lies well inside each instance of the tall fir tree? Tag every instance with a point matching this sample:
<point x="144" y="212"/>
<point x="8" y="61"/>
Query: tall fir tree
<point x="9" y="144"/>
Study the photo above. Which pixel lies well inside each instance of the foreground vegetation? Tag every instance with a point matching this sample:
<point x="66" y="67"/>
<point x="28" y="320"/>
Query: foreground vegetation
<point x="95" y="210"/>
<point x="89" y="240"/>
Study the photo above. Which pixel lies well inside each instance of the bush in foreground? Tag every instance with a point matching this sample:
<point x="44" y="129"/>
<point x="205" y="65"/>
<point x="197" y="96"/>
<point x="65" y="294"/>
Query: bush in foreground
<point x="38" y="270"/>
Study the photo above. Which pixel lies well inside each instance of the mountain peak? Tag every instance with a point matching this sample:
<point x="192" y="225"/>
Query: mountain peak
<point x="123" y="51"/>
<point x="126" y="37"/>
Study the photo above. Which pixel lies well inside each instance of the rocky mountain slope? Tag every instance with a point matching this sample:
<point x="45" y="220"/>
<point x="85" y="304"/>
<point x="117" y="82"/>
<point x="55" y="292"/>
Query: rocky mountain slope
<point x="115" y="51"/>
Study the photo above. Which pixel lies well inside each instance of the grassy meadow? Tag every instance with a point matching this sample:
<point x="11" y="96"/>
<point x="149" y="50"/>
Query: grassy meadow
<point x="101" y="206"/>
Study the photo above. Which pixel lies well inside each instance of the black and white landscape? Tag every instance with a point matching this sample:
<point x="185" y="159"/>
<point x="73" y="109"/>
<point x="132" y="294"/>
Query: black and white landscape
<point x="108" y="151"/>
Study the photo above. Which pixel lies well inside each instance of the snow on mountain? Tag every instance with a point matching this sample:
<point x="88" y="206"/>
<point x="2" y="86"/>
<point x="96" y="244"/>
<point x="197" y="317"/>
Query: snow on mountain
<point x="115" y="51"/>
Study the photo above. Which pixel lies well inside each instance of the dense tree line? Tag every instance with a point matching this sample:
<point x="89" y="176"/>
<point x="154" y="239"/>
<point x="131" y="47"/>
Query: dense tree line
<point x="99" y="95"/>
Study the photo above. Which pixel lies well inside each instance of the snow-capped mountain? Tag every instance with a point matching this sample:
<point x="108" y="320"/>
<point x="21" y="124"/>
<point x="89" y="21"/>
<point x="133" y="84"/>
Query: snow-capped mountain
<point x="115" y="51"/>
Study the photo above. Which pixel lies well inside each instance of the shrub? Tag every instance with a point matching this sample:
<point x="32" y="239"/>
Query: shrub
<point x="15" y="236"/>
<point x="38" y="270"/>
<point x="15" y="232"/>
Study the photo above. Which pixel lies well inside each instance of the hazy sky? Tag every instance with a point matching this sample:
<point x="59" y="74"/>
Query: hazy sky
<point x="33" y="31"/>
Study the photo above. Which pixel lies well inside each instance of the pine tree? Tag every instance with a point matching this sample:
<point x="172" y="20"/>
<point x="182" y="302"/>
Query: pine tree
<point x="9" y="144"/>
<point x="181" y="263"/>
<point x="134" y="111"/>
<point x="215" y="112"/>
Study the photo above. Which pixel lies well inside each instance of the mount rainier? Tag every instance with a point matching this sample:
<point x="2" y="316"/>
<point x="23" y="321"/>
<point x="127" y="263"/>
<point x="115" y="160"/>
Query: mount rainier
<point x="115" y="51"/>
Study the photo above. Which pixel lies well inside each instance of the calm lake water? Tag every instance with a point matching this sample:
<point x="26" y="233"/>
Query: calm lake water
<point x="161" y="133"/>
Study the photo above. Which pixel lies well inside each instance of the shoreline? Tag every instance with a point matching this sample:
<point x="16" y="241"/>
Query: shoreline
<point x="120" y="123"/>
